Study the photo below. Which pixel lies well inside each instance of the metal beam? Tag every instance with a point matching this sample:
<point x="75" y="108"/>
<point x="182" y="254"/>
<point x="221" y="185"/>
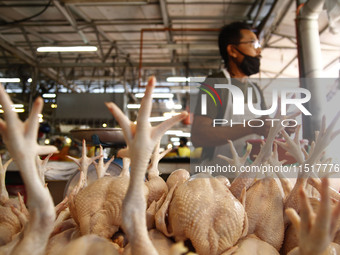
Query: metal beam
<point x="259" y="9"/>
<point x="28" y="41"/>
<point x="231" y="2"/>
<point x="165" y="17"/>
<point x="275" y="24"/>
<point x="39" y="35"/>
<point x="119" y="64"/>
<point x="232" y="18"/>
<point x="55" y="23"/>
<point x="81" y="14"/>
<point x="102" y="1"/>
<point x="24" y="56"/>
<point x="71" y="20"/>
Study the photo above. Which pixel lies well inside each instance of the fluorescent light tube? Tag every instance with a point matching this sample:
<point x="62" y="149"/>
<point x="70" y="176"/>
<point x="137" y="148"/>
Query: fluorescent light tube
<point x="49" y="95"/>
<point x="133" y="106"/>
<point x="197" y="79"/>
<point x="156" y="95"/>
<point x="174" y="139"/>
<point x="9" y="80"/>
<point x="14" y="110"/>
<point x="15" y="106"/>
<point x="173" y="132"/>
<point x="158" y="119"/>
<point x="177" y="79"/>
<point x="18" y="110"/>
<point x="186" y="134"/>
<point x="66" y="48"/>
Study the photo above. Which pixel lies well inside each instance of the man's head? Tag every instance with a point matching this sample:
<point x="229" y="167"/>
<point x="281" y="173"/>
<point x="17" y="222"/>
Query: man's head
<point x="183" y="141"/>
<point x="240" y="49"/>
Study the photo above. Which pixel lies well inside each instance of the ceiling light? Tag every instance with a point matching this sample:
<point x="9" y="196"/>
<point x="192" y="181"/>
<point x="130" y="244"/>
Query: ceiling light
<point x="197" y="79"/>
<point x="174" y="139"/>
<point x="156" y="95"/>
<point x="29" y="80"/>
<point x="171" y="105"/>
<point x="179" y="133"/>
<point x="177" y="79"/>
<point x="41" y="118"/>
<point x="185" y="79"/>
<point x="133" y="106"/>
<point x="186" y="134"/>
<point x="9" y="80"/>
<point x="158" y="119"/>
<point x="176" y="143"/>
<point x="170" y="114"/>
<point x="67" y="49"/>
<point x="18" y="110"/>
<point x="173" y="132"/>
<point x="49" y="95"/>
<point x="15" y="106"/>
<point x="68" y="140"/>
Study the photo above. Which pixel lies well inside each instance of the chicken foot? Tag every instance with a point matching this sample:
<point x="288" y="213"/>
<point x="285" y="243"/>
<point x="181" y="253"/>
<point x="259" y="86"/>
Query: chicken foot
<point x="101" y="168"/>
<point x="3" y="191"/>
<point x="315" y="232"/>
<point x="21" y="141"/>
<point x="141" y="140"/>
<point x="84" y="162"/>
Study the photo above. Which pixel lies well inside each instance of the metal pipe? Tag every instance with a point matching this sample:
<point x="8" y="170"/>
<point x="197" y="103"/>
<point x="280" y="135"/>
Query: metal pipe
<point x="163" y="30"/>
<point x="308" y="29"/>
<point x="309" y="52"/>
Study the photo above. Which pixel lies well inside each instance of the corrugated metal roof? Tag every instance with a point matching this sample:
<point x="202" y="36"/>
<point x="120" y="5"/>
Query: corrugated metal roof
<point x="115" y="28"/>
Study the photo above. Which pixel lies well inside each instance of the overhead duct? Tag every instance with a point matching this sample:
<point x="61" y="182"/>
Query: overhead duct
<point x="310" y="62"/>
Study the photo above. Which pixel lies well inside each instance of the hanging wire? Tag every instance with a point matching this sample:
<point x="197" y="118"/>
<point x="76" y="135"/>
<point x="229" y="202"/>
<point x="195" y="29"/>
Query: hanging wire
<point x="28" y="18"/>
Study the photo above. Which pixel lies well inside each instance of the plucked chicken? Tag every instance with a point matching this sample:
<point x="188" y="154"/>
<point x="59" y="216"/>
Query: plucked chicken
<point x="18" y="136"/>
<point x="118" y="215"/>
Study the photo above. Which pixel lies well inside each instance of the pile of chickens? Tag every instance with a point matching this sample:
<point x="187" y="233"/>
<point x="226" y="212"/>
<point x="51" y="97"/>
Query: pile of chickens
<point x="138" y="212"/>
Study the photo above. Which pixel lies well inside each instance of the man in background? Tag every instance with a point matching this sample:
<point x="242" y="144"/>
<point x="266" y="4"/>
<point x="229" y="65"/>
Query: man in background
<point x="241" y="51"/>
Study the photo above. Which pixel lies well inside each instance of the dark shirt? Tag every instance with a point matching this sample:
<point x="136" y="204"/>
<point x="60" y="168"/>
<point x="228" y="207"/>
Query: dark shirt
<point x="218" y="112"/>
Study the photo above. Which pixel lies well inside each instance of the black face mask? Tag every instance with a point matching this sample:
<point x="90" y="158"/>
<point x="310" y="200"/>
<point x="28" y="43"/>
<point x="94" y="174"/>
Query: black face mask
<point x="250" y="65"/>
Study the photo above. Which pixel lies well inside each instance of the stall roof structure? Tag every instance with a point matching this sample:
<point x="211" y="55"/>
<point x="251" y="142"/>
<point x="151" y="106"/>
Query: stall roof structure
<point x="175" y="37"/>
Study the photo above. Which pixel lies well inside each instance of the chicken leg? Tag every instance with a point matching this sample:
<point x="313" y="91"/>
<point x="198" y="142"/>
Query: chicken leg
<point x="21" y="141"/>
<point x="141" y="139"/>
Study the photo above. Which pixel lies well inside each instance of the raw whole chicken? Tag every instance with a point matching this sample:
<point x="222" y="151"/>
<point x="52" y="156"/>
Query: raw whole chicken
<point x="246" y="217"/>
<point x="203" y="210"/>
<point x="251" y="245"/>
<point x="156" y="185"/>
<point x="9" y="222"/>
<point x="90" y="245"/>
<point x="264" y="207"/>
<point x="98" y="207"/>
<point x="18" y="136"/>
<point x="141" y="140"/>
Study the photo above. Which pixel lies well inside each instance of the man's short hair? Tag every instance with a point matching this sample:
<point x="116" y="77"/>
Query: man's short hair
<point x="230" y="34"/>
<point x="184" y="140"/>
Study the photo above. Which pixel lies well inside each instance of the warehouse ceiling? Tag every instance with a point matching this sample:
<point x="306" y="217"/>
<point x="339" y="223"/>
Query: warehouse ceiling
<point x="136" y="38"/>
